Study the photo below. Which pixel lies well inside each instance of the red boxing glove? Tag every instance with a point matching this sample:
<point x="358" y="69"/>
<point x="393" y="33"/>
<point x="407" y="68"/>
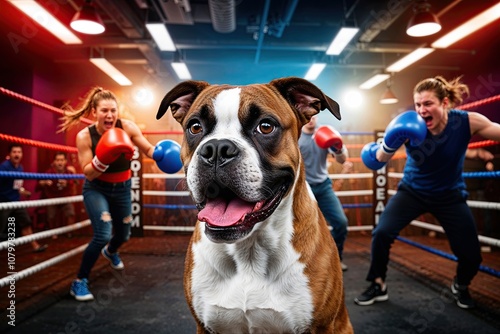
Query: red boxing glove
<point x="327" y="137"/>
<point x="112" y="144"/>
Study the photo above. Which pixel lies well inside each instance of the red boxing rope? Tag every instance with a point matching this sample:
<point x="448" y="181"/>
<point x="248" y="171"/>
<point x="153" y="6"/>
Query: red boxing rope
<point x="484" y="143"/>
<point x="162" y="132"/>
<point x="34" y="102"/>
<point x="479" y="102"/>
<point x="36" y="143"/>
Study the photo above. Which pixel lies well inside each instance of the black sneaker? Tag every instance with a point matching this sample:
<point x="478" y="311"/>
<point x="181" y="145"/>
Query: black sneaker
<point x="373" y="294"/>
<point x="462" y="296"/>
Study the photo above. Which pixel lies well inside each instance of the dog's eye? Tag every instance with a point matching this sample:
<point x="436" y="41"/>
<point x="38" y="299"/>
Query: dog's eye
<point x="265" y="128"/>
<point x="195" y="128"/>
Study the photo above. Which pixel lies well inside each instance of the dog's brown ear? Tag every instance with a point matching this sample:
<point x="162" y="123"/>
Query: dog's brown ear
<point x="305" y="97"/>
<point x="180" y="98"/>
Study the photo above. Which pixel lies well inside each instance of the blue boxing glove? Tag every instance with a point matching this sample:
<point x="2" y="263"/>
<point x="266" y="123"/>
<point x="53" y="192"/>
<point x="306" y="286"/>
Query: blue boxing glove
<point x="408" y="125"/>
<point x="167" y="155"/>
<point x="369" y="156"/>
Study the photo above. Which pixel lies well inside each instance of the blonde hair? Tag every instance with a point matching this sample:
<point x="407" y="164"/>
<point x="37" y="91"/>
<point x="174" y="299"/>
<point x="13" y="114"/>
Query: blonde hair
<point x="453" y="89"/>
<point x="72" y="117"/>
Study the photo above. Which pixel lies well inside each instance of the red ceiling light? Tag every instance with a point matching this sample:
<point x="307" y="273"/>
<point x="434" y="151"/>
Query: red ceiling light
<point x="423" y="22"/>
<point x="87" y="21"/>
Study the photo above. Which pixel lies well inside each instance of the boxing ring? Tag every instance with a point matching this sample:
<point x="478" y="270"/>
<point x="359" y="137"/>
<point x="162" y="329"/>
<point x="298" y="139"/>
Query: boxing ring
<point x="167" y="208"/>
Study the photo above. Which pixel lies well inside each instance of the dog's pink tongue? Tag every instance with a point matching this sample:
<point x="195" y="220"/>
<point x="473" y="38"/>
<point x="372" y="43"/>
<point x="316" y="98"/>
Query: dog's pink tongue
<point x="218" y="212"/>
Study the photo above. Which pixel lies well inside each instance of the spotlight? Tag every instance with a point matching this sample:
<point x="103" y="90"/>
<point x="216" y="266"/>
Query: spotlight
<point x="423" y="22"/>
<point x="87" y="21"/>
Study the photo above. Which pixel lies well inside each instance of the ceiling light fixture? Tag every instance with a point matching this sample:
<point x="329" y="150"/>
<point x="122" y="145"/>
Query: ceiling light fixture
<point x="314" y="71"/>
<point x="409" y="59"/>
<point x="423" y="22"/>
<point x="87" y="21"/>
<point x="474" y="24"/>
<point x="374" y="80"/>
<point x="161" y="36"/>
<point x="46" y="20"/>
<point x="181" y="70"/>
<point x="104" y="65"/>
<point x="388" y="97"/>
<point x="343" y="37"/>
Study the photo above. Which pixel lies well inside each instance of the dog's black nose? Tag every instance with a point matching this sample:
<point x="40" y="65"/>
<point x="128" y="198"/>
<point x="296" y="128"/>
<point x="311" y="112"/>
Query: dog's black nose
<point x="218" y="152"/>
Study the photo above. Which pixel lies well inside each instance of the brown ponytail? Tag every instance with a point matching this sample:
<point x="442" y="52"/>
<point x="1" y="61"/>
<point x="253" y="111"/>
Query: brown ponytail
<point x="453" y="90"/>
<point x="72" y="117"/>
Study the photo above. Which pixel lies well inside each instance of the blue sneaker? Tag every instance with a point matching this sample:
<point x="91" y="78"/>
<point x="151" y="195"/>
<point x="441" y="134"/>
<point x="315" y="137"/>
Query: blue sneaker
<point x="114" y="259"/>
<point x="80" y="290"/>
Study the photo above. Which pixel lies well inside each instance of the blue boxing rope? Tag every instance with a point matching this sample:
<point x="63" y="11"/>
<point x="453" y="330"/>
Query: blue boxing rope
<point x="39" y="176"/>
<point x="448" y="256"/>
<point x="169" y="206"/>
<point x="482" y="175"/>
<point x="192" y="206"/>
<point x="359" y="205"/>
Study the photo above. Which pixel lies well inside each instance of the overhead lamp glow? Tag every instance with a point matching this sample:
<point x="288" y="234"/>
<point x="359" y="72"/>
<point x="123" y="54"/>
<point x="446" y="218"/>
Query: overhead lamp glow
<point x="474" y="24"/>
<point x="161" y="36"/>
<point x="423" y="22"/>
<point x="87" y="21"/>
<point x="46" y="20"/>
<point x="388" y="97"/>
<point x="181" y="70"/>
<point x="352" y="98"/>
<point x="104" y="65"/>
<point x="314" y="71"/>
<point x="375" y="80"/>
<point x="343" y="37"/>
<point x="409" y="59"/>
<point x="144" y="97"/>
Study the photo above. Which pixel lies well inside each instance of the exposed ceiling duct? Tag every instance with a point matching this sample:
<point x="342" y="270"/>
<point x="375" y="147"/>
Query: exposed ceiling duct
<point x="223" y="13"/>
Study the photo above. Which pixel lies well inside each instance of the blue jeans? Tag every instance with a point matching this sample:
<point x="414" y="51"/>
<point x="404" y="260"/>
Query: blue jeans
<point x="331" y="208"/>
<point x="452" y="212"/>
<point x="109" y="207"/>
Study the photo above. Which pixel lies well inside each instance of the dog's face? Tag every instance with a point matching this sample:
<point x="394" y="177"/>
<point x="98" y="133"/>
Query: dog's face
<point x="240" y="150"/>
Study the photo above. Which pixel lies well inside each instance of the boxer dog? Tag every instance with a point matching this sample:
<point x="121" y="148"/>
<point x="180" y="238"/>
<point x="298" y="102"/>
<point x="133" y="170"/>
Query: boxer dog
<point x="261" y="258"/>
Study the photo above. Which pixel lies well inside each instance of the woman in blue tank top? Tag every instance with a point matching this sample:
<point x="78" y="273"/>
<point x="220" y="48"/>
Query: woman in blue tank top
<point x="433" y="183"/>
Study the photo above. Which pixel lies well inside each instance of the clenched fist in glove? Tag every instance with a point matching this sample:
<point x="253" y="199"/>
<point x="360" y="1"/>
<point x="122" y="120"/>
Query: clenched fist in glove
<point x="112" y="144"/>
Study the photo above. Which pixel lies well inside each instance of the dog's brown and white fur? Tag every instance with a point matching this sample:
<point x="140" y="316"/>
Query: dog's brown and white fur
<point x="261" y="258"/>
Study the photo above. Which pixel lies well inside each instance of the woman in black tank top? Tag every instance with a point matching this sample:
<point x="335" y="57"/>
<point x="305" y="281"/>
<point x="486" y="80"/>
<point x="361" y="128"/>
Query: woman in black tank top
<point x="107" y="187"/>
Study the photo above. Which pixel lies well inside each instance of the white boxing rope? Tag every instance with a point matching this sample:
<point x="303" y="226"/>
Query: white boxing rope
<point x="40" y="202"/>
<point x="44" y="234"/>
<point x="438" y="228"/>
<point x="347" y="193"/>
<point x="186" y="193"/>
<point x="163" y="176"/>
<point x="164" y="193"/>
<point x="395" y="175"/>
<point x="484" y="205"/>
<point x="472" y="204"/>
<point x="351" y="176"/>
<point x="191" y="228"/>
<point x="169" y="228"/>
<point x="42" y="265"/>
<point x="359" y="228"/>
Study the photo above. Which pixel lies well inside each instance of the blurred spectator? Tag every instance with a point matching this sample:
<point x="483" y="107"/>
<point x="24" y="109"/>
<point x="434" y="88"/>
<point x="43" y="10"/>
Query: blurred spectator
<point x="54" y="188"/>
<point x="10" y="191"/>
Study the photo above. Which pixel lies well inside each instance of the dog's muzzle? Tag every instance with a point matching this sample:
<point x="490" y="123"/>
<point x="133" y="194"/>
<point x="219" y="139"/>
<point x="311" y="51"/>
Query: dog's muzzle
<point x="232" y="203"/>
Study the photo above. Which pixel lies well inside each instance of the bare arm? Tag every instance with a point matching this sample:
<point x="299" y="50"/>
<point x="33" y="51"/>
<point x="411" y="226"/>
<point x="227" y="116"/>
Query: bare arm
<point x="85" y="155"/>
<point x="137" y="137"/>
<point x="479" y="153"/>
<point x="481" y="125"/>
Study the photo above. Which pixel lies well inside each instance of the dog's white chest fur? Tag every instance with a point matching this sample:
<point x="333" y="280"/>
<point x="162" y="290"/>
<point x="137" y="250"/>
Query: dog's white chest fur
<point x="259" y="283"/>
